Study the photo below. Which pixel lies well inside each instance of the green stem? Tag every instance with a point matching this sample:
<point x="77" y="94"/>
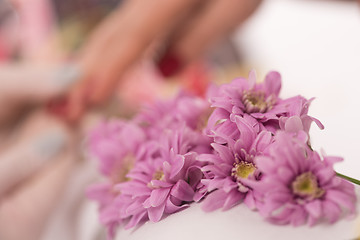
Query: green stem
<point x="350" y="179"/>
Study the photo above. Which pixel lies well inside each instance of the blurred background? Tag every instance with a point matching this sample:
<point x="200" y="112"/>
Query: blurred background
<point x="314" y="44"/>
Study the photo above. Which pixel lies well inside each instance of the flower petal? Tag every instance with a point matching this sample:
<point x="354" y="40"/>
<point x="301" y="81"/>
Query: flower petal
<point x="170" y="207"/>
<point x="160" y="184"/>
<point x="224" y="152"/>
<point x="182" y="191"/>
<point x="235" y="197"/>
<point x="158" y="196"/>
<point x="134" y="220"/>
<point x="294" y="124"/>
<point x="247" y="132"/>
<point x="273" y="83"/>
<point x="250" y="200"/>
<point x="177" y="166"/>
<point x="214" y="200"/>
<point x="341" y="198"/>
<point x="155" y="213"/>
<point x="314" y="208"/>
<point x="262" y="141"/>
<point x="331" y="210"/>
<point x="298" y="217"/>
<point x="194" y="176"/>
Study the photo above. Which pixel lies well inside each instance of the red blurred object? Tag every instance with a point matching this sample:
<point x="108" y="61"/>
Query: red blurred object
<point x="196" y="79"/>
<point x="58" y="107"/>
<point x="170" y="64"/>
<point x="4" y="51"/>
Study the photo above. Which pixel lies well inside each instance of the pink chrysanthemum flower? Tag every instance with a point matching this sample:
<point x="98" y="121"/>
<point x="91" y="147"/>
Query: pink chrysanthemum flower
<point x="161" y="185"/>
<point x="119" y="145"/>
<point x="299" y="126"/>
<point x="298" y="186"/>
<point x="260" y="101"/>
<point x="116" y="145"/>
<point x="105" y="195"/>
<point x="231" y="164"/>
<point x="172" y="114"/>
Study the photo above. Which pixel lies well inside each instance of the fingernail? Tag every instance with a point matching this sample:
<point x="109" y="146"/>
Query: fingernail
<point x="169" y="64"/>
<point x="58" y="107"/>
<point x="67" y="75"/>
<point x="50" y="144"/>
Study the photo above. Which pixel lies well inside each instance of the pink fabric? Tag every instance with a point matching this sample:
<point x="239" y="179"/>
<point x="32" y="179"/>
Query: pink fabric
<point x="4" y="50"/>
<point x="36" y="22"/>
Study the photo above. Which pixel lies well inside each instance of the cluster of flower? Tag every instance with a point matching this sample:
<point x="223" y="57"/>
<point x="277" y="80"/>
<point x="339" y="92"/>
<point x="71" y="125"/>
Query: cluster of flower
<point x="253" y="148"/>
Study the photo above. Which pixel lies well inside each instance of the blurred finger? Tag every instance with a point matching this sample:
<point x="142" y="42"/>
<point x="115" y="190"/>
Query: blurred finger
<point x="38" y="82"/>
<point x="23" y="215"/>
<point x="135" y="27"/>
<point x="75" y="103"/>
<point x="142" y="22"/>
<point x="217" y="20"/>
<point x="39" y="140"/>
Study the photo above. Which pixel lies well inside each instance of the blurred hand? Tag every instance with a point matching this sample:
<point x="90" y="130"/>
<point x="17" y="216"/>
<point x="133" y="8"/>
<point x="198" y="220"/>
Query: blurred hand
<point x="26" y="85"/>
<point x="37" y="154"/>
<point x="180" y="30"/>
<point x="35" y="165"/>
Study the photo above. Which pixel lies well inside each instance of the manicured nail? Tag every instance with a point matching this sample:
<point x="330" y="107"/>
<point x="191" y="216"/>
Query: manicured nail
<point x="170" y="64"/>
<point x="58" y="107"/>
<point x="66" y="76"/>
<point x="4" y="52"/>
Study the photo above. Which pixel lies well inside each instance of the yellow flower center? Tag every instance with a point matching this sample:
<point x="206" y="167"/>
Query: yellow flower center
<point x="119" y="175"/>
<point x="158" y="175"/>
<point x="254" y="101"/>
<point x="306" y="185"/>
<point x="242" y="170"/>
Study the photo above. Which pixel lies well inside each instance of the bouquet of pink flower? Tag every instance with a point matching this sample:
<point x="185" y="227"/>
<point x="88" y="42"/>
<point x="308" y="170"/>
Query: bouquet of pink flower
<point x="246" y="146"/>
